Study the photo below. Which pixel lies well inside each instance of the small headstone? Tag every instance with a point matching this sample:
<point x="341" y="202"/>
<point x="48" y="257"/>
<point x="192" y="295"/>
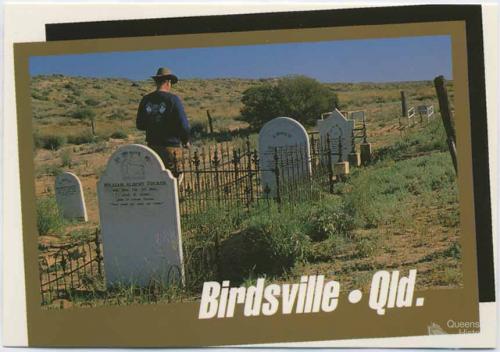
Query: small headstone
<point x="69" y="197"/>
<point x="366" y="153"/>
<point x="422" y="109"/>
<point x="341" y="169"/>
<point x="288" y="136"/>
<point x="337" y="127"/>
<point x="425" y="111"/>
<point x="354" y="159"/>
<point x="140" y="223"/>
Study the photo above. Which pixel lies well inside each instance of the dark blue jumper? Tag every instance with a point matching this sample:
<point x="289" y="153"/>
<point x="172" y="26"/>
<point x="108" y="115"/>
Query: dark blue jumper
<point x="162" y="116"/>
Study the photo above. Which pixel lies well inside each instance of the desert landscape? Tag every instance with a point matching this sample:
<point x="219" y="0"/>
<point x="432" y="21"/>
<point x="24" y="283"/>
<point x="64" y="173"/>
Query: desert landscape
<point x="399" y="211"/>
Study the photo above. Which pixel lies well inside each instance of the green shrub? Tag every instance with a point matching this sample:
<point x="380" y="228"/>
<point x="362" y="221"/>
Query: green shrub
<point x="73" y="88"/>
<point x="84" y="114"/>
<point x="298" y="97"/>
<point x="48" y="217"/>
<point x="269" y="243"/>
<point x="329" y="218"/>
<point x="37" y="141"/>
<point x="82" y="138"/>
<point x="118" y="114"/>
<point x="328" y="249"/>
<point x="224" y="135"/>
<point x="91" y="102"/>
<point x="198" y="129"/>
<point x="39" y="96"/>
<point x="382" y="193"/>
<point x="201" y="236"/>
<point x="49" y="170"/>
<point x="366" y="247"/>
<point x="430" y="138"/>
<point x="454" y="251"/>
<point x="119" y="135"/>
<point x="66" y="158"/>
<point x="50" y="142"/>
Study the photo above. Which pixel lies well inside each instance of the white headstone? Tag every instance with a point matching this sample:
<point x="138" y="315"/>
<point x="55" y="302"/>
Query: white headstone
<point x="425" y="110"/>
<point x="336" y="126"/>
<point x="69" y="196"/>
<point x="140" y="220"/>
<point x="289" y="135"/>
<point x="422" y="109"/>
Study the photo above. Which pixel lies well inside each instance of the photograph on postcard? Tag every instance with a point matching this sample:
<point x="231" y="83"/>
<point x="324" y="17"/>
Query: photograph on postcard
<point x="304" y="175"/>
<point x="287" y="163"/>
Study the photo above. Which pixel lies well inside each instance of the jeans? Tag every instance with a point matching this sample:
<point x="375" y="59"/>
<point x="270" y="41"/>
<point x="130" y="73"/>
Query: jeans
<point x="170" y="156"/>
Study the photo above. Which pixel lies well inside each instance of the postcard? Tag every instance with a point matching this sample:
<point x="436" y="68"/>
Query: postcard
<point x="254" y="183"/>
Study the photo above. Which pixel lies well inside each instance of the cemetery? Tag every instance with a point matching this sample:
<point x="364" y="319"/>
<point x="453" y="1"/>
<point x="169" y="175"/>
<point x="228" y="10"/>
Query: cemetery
<point x="333" y="197"/>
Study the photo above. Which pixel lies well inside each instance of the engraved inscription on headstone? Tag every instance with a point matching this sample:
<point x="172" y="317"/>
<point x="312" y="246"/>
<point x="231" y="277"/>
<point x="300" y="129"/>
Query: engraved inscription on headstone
<point x="289" y="136"/>
<point x="140" y="224"/>
<point x="69" y="196"/>
<point x="337" y="127"/>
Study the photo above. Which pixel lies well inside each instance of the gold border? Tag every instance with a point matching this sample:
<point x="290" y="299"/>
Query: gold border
<point x="177" y="324"/>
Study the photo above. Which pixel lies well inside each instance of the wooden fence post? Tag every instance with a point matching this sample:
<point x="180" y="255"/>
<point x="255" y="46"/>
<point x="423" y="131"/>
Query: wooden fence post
<point x="446" y="116"/>
<point x="92" y="125"/>
<point x="404" y="107"/>
<point x="210" y="123"/>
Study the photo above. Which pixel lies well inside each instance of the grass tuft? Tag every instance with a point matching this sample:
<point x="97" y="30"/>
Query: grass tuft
<point x="48" y="218"/>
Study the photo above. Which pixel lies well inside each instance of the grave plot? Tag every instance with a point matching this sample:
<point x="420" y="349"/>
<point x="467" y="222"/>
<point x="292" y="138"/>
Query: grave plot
<point x="279" y="140"/>
<point x="233" y="226"/>
<point x="140" y="220"/>
<point x="69" y="196"/>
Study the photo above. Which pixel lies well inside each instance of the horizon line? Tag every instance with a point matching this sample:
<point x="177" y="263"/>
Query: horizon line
<point x="233" y="77"/>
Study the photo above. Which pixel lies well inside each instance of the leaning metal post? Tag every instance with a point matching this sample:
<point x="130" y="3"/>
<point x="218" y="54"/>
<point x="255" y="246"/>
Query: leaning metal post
<point x="277" y="174"/>
<point x="353" y="142"/>
<point x="364" y="131"/>
<point x="98" y="252"/>
<point x="330" y="163"/>
<point x="249" y="170"/>
<point x="254" y="171"/>
<point x="340" y="149"/>
<point x="197" y="175"/>
<point x="216" y="169"/>
<point x="175" y="170"/>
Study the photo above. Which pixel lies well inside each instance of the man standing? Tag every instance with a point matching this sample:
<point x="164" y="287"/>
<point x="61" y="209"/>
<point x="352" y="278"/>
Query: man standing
<point x="161" y="114"/>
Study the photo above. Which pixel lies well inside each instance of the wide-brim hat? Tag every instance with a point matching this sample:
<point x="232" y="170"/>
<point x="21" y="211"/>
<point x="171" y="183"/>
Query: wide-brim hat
<point x="165" y="73"/>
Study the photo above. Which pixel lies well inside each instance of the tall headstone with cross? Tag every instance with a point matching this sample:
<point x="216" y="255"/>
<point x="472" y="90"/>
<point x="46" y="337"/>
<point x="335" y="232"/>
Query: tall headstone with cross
<point x="282" y="138"/>
<point x="339" y="131"/>
<point x="140" y="220"/>
<point x="69" y="197"/>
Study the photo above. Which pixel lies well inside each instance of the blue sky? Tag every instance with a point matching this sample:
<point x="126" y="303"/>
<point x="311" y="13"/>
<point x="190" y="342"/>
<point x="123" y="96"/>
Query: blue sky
<point x="368" y="60"/>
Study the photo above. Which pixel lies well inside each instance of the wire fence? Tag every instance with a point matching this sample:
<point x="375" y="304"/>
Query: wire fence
<point x="221" y="176"/>
<point x="217" y="176"/>
<point x="226" y="175"/>
<point x="65" y="270"/>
